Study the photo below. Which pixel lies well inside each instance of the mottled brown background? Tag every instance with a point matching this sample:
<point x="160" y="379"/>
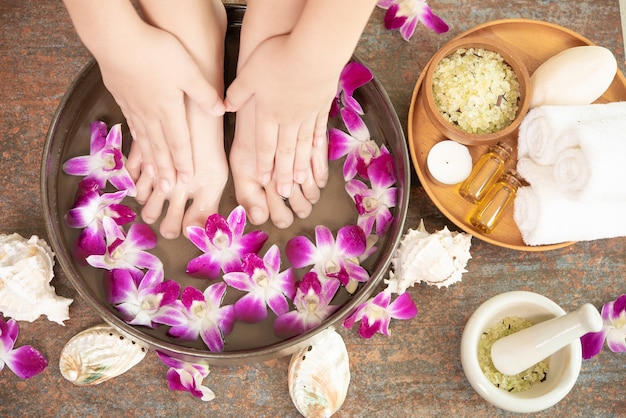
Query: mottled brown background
<point x="416" y="372"/>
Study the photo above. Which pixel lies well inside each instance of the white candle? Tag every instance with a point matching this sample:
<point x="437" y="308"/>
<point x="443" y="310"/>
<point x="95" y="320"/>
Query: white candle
<point x="449" y="162"/>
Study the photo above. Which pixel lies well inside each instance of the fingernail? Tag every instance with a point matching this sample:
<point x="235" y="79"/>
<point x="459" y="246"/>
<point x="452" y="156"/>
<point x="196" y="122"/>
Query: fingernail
<point x="184" y="178"/>
<point x="300" y="177"/>
<point x="265" y="179"/>
<point x="285" y="190"/>
<point x="149" y="170"/>
<point x="165" y="185"/>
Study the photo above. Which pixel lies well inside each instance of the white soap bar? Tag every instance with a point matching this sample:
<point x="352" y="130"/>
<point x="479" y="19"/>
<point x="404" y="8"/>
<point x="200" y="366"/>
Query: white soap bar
<point x="449" y="162"/>
<point x="575" y="76"/>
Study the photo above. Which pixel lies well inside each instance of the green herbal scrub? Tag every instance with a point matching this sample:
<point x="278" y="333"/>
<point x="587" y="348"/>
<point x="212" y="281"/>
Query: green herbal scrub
<point x="520" y="382"/>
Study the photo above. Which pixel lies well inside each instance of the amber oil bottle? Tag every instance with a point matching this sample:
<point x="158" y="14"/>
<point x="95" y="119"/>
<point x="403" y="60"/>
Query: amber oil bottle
<point x="486" y="172"/>
<point x="490" y="210"/>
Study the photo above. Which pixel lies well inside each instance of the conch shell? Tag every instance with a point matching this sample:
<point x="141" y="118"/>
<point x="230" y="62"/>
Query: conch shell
<point x="319" y="376"/>
<point x="26" y="269"/>
<point x="438" y="259"/>
<point x="98" y="354"/>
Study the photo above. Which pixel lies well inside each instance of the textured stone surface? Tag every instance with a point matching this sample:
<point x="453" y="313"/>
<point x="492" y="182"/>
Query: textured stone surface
<point x="415" y="372"/>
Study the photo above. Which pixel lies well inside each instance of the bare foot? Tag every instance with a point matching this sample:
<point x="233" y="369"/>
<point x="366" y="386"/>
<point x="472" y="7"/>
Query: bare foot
<point x="263" y="201"/>
<point x="205" y="189"/>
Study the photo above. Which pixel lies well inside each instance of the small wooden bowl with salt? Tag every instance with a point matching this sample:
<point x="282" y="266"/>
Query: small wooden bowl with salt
<point x="476" y="90"/>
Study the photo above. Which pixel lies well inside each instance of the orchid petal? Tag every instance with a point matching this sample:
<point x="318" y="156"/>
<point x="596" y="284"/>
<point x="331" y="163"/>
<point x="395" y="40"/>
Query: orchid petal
<point x="300" y="251"/>
<point x="251" y="308"/>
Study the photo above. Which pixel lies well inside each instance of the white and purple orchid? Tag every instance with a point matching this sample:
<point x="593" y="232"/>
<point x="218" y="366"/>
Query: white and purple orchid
<point x="312" y="302"/>
<point x="373" y="203"/>
<point x="205" y="317"/>
<point x="105" y="161"/>
<point x="376" y="313"/>
<point x="613" y="331"/>
<point x="224" y="244"/>
<point x="331" y="259"/>
<point x="353" y="76"/>
<point x="150" y="302"/>
<point x="24" y="361"/>
<point x="356" y="145"/>
<point x="404" y="15"/>
<point x="127" y="251"/>
<point x="265" y="285"/>
<point x="89" y="209"/>
<point x="186" y="376"/>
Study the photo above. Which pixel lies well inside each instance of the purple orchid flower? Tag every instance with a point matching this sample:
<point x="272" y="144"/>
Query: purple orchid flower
<point x="332" y="260"/>
<point x="105" y="161"/>
<point x="87" y="213"/>
<point x="373" y="203"/>
<point x="356" y="145"/>
<point x="223" y="243"/>
<point x="404" y="15"/>
<point x="312" y="302"/>
<point x="353" y="76"/>
<point x="614" y="330"/>
<point x="127" y="252"/>
<point x="205" y="317"/>
<point x="187" y="377"/>
<point x="376" y="313"/>
<point x="24" y="361"/>
<point x="266" y="286"/>
<point x="153" y="301"/>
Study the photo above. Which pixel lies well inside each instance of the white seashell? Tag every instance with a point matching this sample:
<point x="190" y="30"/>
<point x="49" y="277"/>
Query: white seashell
<point x="319" y="376"/>
<point x="26" y="269"/>
<point x="438" y="259"/>
<point x="98" y="354"/>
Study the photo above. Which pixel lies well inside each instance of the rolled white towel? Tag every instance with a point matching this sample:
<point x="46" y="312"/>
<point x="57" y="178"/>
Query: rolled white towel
<point x="535" y="173"/>
<point x="571" y="170"/>
<point x="540" y="132"/>
<point x="545" y="216"/>
<point x="596" y="169"/>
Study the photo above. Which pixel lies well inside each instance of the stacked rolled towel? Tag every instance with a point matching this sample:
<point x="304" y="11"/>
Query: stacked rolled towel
<point x="574" y="158"/>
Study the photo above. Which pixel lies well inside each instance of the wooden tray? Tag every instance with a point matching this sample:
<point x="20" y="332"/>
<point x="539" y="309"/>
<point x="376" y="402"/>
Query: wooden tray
<point x="534" y="41"/>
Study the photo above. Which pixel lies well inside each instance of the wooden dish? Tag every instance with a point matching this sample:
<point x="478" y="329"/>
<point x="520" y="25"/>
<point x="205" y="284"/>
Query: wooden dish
<point x="534" y="42"/>
<point x="517" y="65"/>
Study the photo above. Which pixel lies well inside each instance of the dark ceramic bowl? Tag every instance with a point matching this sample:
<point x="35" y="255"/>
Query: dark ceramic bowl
<point x="87" y="100"/>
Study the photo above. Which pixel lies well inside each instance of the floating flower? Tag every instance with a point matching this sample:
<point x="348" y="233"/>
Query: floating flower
<point x="205" y="317"/>
<point x="127" y="252"/>
<point x="614" y="330"/>
<point x="105" y="161"/>
<point x="356" y="145"/>
<point x="88" y="211"/>
<point x="404" y="15"/>
<point x="223" y="243"/>
<point x="353" y="76"/>
<point x="333" y="260"/>
<point x="187" y="377"/>
<point x="312" y="302"/>
<point x="376" y="313"/>
<point x="266" y="286"/>
<point x="24" y="361"/>
<point x="150" y="302"/>
<point x="373" y="203"/>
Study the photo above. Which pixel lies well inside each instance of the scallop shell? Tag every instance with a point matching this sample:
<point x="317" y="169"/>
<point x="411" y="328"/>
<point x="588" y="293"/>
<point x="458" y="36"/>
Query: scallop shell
<point x="319" y="376"/>
<point x="26" y="269"/>
<point x="98" y="354"/>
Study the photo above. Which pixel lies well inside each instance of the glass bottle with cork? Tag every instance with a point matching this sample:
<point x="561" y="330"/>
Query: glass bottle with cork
<point x="486" y="172"/>
<point x="490" y="210"/>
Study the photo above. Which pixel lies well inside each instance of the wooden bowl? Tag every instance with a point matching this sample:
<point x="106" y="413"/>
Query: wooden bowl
<point x="450" y="129"/>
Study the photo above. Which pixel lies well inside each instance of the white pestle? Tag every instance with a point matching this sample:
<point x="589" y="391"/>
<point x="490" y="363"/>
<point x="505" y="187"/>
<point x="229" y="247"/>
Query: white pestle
<point x="517" y="352"/>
